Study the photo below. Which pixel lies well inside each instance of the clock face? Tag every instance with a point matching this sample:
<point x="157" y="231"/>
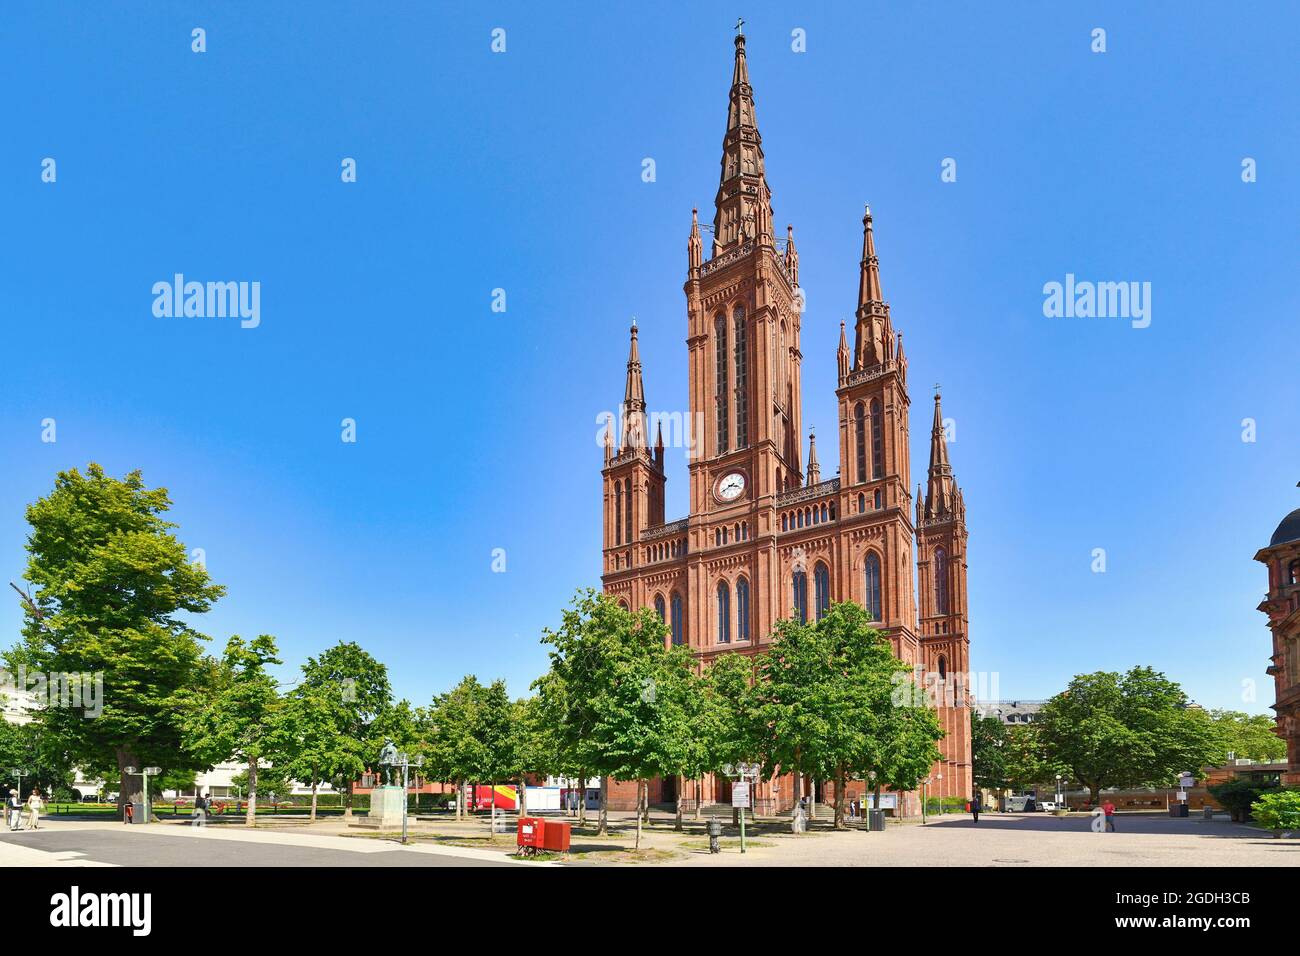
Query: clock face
<point x="731" y="486"/>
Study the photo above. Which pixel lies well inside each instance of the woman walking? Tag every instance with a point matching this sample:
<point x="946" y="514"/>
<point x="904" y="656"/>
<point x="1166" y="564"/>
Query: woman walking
<point x="34" y="804"/>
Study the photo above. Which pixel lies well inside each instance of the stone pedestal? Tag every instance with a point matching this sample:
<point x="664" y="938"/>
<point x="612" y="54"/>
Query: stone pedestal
<point x="386" y="805"/>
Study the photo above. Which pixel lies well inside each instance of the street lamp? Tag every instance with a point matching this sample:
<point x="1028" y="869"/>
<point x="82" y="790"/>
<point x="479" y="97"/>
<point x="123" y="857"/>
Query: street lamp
<point x="1058" y="791"/>
<point x="406" y="768"/>
<point x="939" y="780"/>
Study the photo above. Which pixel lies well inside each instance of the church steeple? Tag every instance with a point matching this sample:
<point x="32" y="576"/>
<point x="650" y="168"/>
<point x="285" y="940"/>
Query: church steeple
<point x="634" y="420"/>
<point x="941" y="495"/>
<point x="814" y="469"/>
<point x="874" y="336"/>
<point x="744" y="203"/>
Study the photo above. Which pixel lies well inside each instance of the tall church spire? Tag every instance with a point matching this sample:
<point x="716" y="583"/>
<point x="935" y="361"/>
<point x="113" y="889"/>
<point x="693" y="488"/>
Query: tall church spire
<point x="744" y="203"/>
<point x="814" y="469"/>
<point x="874" y="335"/>
<point x="940" y="495"/>
<point x="634" y="422"/>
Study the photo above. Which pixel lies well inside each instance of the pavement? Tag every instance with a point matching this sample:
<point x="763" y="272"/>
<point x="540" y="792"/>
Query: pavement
<point x="104" y="843"/>
<point x="1010" y="840"/>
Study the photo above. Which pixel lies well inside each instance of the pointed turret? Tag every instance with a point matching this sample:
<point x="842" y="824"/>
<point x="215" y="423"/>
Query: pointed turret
<point x="744" y="202"/>
<point x="609" y="441"/>
<point x="940" y="498"/>
<point x="633" y="400"/>
<point x="842" y="355"/>
<point x="659" y="447"/>
<point x="814" y="470"/>
<point x="694" y="245"/>
<point x="791" y="256"/>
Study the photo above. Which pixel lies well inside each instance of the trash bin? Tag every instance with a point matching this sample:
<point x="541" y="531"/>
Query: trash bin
<point x="715" y="831"/>
<point x="875" y="819"/>
<point x="1207" y="813"/>
<point x="137" y="813"/>
<point x="1178" y="810"/>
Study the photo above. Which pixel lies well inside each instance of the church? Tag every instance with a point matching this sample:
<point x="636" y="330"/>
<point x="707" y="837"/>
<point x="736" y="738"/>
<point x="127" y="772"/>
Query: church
<point x="767" y="537"/>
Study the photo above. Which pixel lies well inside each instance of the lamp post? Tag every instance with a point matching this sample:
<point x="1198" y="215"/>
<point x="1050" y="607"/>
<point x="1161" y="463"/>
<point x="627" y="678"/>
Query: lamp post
<point x="145" y="773"/>
<point x="406" y="770"/>
<point x="938" y="777"/>
<point x="1058" y="791"/>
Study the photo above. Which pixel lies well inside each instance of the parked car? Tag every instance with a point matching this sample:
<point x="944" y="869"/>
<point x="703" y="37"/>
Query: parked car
<point x="1047" y="805"/>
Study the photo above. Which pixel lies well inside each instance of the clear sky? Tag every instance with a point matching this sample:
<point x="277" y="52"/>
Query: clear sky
<point x="522" y="171"/>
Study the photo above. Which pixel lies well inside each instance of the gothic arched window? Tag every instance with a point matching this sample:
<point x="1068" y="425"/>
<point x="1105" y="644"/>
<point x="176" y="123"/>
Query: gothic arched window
<point x="742" y="609"/>
<point x="940" y="582"/>
<point x="724" y="613"/>
<point x="741" y="348"/>
<point x="822" y="589"/>
<point x="801" y="597"/>
<point x="860" y="439"/>
<point x="862" y="502"/>
<point x="871" y="597"/>
<point x="618" y="512"/>
<point x="720" y="368"/>
<point x="877" y="441"/>
<point x="943" y="667"/>
<point x="627" y="510"/>
<point x="679" y="636"/>
<point x="659" y="608"/>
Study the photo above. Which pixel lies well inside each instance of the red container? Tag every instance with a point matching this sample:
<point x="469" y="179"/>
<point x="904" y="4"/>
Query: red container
<point x="555" y="836"/>
<point x="532" y="830"/>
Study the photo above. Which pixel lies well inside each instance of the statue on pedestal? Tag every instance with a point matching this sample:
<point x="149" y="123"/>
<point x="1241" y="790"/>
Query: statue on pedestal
<point x="388" y="761"/>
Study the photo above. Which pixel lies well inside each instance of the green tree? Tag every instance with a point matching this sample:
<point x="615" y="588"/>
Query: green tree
<point x="359" y="689"/>
<point x="455" y="750"/>
<point x="988" y="741"/>
<point x="1246" y="737"/>
<point x="242" y="718"/>
<point x="112" y="581"/>
<point x="728" y="733"/>
<point x="316" y="749"/>
<point x="32" y="749"/>
<point x="1135" y="729"/>
<point x="584" y="652"/>
<point x="1025" y="758"/>
<point x="827" y="704"/>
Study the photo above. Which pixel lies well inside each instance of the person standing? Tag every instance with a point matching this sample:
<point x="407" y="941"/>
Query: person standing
<point x="975" y="807"/>
<point x="14" y="807"/>
<point x="1108" y="808"/>
<point x="34" y="804"/>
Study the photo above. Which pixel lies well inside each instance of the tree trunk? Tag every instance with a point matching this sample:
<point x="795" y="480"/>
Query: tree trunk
<point x="460" y="799"/>
<point x="812" y="798"/>
<point x="681" y="785"/>
<point x="877" y="805"/>
<point x="250" y="818"/>
<point x="603" y="829"/>
<point x="582" y="798"/>
<point x="126" y="757"/>
<point x="313" y="801"/>
<point x="699" y="797"/>
<point x="347" y="801"/>
<point x="641" y="793"/>
<point x="1094" y="793"/>
<point x="840" y="777"/>
<point x="522" y="802"/>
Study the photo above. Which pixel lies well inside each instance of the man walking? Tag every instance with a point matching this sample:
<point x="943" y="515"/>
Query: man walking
<point x="1108" y="809"/>
<point x="200" y="817"/>
<point x="975" y="807"/>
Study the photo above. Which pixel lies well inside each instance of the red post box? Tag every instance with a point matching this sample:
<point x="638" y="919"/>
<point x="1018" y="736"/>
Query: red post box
<point x="531" y="832"/>
<point x="555" y="837"/>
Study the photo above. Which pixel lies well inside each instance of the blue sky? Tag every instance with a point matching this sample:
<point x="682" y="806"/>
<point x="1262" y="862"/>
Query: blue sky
<point x="522" y="171"/>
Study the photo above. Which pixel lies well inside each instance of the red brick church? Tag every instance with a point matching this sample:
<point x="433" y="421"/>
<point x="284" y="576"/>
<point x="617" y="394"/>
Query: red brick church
<point x="767" y="536"/>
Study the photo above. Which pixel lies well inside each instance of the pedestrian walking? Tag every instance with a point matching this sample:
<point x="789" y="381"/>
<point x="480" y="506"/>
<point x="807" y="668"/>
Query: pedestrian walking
<point x="34" y="804"/>
<point x="200" y="817"/>
<point x="1108" y="808"/>
<point x="14" y="808"/>
<point x="975" y="807"/>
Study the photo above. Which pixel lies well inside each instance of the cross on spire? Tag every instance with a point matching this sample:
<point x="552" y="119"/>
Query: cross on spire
<point x="740" y="22"/>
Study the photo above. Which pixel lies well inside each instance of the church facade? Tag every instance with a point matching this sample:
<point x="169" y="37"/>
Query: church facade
<point x="767" y="536"/>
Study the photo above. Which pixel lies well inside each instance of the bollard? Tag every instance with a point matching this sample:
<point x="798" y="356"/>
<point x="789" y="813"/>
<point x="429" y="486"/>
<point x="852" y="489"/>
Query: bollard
<point x="715" y="831"/>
